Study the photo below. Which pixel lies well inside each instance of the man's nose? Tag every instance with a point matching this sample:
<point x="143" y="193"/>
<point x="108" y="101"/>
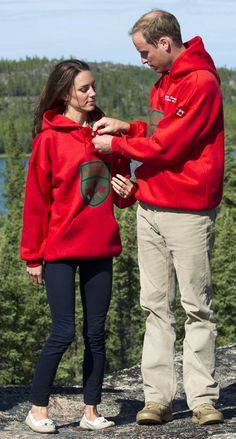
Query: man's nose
<point x="143" y="60"/>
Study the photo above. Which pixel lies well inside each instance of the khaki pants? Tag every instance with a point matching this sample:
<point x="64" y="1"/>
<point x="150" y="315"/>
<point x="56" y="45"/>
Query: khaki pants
<point x="177" y="245"/>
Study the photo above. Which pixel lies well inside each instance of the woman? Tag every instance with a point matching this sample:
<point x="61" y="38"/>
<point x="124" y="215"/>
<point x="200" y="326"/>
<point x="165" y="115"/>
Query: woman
<point x="69" y="223"/>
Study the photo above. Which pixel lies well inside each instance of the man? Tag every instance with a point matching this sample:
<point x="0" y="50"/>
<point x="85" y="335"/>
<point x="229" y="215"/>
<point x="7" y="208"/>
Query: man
<point x="180" y="184"/>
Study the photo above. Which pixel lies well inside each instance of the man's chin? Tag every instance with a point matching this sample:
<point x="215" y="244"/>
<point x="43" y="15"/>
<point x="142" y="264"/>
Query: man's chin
<point x="156" y="69"/>
<point x="153" y="68"/>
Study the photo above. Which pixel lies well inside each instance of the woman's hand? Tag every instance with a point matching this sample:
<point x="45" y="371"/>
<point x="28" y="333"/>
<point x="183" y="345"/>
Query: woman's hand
<point x="35" y="274"/>
<point x="122" y="186"/>
<point x="107" y="125"/>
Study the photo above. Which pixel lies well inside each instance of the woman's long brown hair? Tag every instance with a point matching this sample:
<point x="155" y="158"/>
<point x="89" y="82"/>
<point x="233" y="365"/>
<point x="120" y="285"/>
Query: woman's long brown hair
<point x="58" y="85"/>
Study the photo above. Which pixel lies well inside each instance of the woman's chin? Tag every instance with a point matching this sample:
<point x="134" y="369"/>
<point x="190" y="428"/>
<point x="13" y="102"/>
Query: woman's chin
<point x="91" y="106"/>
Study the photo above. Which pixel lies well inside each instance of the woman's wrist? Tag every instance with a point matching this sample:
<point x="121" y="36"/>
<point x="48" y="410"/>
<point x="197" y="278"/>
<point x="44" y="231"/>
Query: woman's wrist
<point x="35" y="263"/>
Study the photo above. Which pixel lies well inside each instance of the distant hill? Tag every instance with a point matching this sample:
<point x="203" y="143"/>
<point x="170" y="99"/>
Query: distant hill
<point x="122" y="91"/>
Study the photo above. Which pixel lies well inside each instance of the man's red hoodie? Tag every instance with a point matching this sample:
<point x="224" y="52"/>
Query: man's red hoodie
<point x="182" y="150"/>
<point x="68" y="209"/>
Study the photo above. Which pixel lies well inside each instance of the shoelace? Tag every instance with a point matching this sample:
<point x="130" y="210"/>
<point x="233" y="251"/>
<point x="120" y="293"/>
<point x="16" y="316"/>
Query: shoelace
<point x="151" y="405"/>
<point x="205" y="407"/>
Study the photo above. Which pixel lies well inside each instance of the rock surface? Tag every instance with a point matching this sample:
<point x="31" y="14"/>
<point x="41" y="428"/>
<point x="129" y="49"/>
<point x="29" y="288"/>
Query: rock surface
<point x="122" y="398"/>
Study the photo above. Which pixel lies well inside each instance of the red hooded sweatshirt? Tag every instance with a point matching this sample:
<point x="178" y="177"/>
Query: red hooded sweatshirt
<point x="182" y="150"/>
<point x="68" y="209"/>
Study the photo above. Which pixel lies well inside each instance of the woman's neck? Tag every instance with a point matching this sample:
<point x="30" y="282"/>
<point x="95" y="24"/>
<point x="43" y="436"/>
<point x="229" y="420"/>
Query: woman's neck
<point x="76" y="116"/>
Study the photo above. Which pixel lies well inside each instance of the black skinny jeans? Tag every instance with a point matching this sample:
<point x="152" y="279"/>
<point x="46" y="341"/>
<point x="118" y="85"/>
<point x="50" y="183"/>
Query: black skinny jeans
<point x="95" y="290"/>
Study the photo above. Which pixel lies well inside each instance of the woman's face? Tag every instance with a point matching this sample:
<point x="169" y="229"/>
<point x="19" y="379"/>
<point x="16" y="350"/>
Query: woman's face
<point x="82" y="97"/>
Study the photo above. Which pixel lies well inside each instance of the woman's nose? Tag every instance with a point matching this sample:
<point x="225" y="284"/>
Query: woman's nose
<point x="92" y="92"/>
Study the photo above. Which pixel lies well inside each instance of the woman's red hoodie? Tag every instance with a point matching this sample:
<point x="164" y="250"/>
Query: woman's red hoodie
<point x="68" y="209"/>
<point x="182" y="150"/>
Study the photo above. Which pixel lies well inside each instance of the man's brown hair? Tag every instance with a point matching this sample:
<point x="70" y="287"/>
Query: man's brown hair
<point x="156" y="24"/>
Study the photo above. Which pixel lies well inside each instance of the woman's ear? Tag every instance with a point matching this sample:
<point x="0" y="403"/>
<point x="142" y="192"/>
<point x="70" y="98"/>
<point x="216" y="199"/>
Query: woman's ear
<point x="66" y="98"/>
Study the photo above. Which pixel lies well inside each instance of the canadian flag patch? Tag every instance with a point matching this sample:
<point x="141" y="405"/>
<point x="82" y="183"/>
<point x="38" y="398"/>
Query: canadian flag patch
<point x="179" y="112"/>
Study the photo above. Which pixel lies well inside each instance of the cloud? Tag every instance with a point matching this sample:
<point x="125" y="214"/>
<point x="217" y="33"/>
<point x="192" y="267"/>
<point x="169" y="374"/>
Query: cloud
<point x="98" y="29"/>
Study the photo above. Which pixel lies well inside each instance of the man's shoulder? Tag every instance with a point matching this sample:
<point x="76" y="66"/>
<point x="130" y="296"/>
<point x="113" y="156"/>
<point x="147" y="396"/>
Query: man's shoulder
<point x="203" y="76"/>
<point x="203" y="81"/>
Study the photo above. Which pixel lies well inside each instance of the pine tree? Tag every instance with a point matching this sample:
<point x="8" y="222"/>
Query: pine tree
<point x="224" y="257"/>
<point x="125" y="325"/>
<point x="24" y="313"/>
<point x="25" y="318"/>
<point x="22" y="304"/>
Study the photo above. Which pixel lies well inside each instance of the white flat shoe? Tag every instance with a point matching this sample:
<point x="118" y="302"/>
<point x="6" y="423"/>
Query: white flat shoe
<point x="99" y="423"/>
<point x="42" y="426"/>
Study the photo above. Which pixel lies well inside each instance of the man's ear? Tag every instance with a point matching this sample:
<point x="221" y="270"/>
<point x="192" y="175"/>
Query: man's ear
<point x="164" y="43"/>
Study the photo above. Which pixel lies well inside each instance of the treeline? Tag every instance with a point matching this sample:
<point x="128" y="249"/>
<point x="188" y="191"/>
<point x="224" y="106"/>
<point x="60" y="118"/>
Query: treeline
<point x="123" y="92"/>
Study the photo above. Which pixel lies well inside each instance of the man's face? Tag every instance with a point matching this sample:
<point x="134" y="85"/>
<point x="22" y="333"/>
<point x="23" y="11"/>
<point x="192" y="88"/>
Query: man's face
<point x="156" y="57"/>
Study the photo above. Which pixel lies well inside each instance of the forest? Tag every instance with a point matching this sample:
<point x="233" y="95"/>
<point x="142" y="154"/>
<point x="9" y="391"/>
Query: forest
<point x="123" y="92"/>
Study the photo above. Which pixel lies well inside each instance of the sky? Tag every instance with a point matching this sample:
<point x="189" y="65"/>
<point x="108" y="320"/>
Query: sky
<point x="98" y="30"/>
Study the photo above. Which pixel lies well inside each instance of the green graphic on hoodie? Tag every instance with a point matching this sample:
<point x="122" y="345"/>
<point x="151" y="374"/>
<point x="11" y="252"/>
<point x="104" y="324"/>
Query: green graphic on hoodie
<point x="155" y="117"/>
<point x="95" y="182"/>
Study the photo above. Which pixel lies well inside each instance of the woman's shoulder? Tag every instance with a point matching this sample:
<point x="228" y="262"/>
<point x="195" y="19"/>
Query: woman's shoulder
<point x="46" y="135"/>
<point x="42" y="145"/>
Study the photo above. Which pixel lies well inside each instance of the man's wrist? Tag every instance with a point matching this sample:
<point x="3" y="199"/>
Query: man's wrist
<point x="125" y="127"/>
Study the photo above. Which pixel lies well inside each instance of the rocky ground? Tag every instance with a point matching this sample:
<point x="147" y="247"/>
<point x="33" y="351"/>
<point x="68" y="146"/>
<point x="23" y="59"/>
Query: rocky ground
<point x="122" y="398"/>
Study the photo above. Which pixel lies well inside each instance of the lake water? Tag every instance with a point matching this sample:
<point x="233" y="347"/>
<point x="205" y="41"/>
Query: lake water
<point x="2" y="162"/>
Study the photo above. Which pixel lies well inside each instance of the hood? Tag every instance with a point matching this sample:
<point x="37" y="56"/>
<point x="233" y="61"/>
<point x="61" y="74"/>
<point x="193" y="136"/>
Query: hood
<point x="54" y="119"/>
<point x="195" y="57"/>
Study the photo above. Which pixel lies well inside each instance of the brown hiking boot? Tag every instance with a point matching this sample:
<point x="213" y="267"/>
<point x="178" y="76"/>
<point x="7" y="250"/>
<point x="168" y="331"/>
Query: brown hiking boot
<point x="206" y="414"/>
<point x="154" y="413"/>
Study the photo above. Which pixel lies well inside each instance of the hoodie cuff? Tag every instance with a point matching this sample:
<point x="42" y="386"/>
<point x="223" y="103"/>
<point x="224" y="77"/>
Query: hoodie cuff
<point x="35" y="263"/>
<point x="134" y="188"/>
<point x="132" y="130"/>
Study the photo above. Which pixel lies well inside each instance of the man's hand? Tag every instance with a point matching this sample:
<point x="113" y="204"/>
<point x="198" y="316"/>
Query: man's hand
<point x="35" y="274"/>
<point x="107" y="125"/>
<point x="103" y="143"/>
